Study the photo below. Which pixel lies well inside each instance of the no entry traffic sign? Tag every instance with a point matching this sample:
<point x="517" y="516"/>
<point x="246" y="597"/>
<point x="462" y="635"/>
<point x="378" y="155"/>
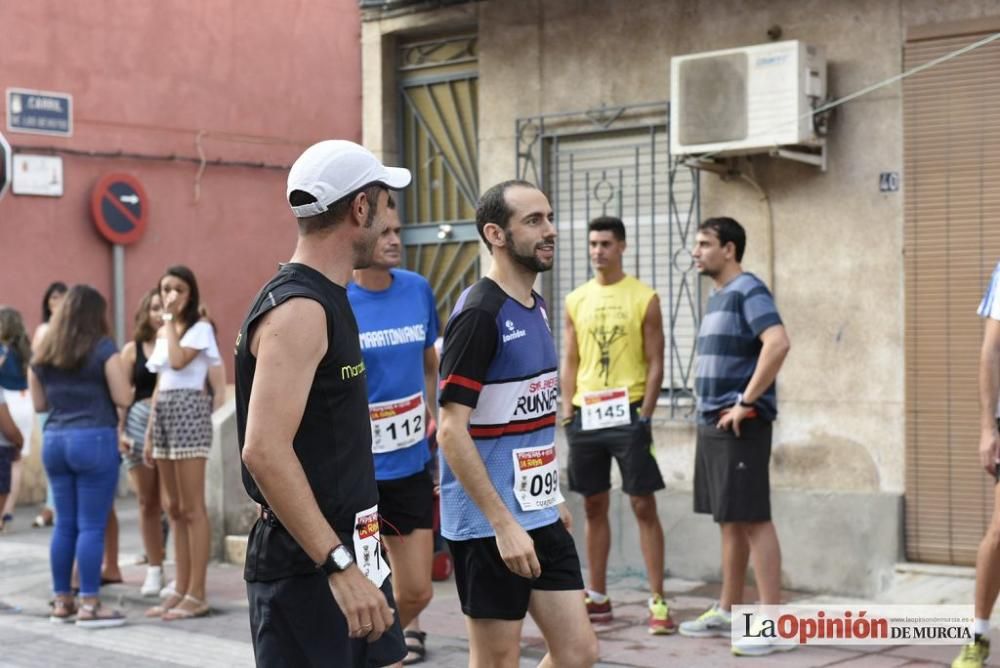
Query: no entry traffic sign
<point x="120" y="208"/>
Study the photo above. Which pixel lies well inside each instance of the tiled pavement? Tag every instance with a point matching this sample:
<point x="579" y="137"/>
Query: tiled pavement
<point x="222" y="639"/>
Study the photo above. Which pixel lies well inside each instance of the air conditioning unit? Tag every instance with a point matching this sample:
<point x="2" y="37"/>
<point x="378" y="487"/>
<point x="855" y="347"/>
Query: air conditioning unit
<point x="747" y="100"/>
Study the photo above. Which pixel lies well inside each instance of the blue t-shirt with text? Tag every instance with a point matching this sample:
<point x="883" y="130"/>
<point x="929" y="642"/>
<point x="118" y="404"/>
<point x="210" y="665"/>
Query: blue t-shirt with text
<point x="396" y="326"/>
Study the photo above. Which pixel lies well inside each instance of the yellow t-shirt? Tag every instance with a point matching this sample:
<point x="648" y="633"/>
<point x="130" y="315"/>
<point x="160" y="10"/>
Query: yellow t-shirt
<point x="608" y="322"/>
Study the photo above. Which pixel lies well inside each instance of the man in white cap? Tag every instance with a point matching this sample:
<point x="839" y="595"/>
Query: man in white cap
<point x="316" y="577"/>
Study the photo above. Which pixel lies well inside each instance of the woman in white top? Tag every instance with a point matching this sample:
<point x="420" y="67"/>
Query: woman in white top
<point x="179" y="435"/>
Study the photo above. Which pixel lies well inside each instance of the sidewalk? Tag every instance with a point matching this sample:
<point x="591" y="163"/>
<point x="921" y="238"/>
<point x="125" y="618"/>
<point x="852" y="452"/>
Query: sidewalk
<point x="222" y="639"/>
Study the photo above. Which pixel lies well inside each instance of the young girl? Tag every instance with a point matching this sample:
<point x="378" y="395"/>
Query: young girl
<point x="77" y="375"/>
<point x="15" y="353"/>
<point x="133" y="436"/>
<point x="179" y="435"/>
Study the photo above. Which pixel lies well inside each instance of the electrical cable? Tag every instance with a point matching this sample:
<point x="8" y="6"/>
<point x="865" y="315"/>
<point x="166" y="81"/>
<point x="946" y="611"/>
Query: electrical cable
<point x="132" y="155"/>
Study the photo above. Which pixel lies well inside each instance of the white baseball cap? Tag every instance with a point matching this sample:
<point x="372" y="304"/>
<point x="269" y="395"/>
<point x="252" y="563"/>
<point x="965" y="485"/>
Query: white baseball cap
<point x="333" y="169"/>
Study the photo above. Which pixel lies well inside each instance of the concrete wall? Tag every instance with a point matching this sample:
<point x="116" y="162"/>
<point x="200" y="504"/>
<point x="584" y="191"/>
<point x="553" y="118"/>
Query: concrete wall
<point x="836" y="266"/>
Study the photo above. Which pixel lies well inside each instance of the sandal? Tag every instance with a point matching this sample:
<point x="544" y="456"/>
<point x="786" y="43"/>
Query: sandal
<point x="415" y="651"/>
<point x="41" y="520"/>
<point x="169" y="603"/>
<point x="98" y="617"/>
<point x="177" y="612"/>
<point x="63" y="611"/>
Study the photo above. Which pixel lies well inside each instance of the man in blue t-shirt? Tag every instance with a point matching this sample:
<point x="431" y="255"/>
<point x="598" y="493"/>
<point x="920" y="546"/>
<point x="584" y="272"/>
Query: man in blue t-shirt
<point x="501" y="506"/>
<point x="741" y="346"/>
<point x="398" y="324"/>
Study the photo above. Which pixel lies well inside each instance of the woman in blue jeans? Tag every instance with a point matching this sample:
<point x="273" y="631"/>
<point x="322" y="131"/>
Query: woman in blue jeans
<point x="77" y="375"/>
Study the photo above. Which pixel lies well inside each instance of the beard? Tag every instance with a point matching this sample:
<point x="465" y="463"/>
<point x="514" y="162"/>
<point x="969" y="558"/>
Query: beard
<point x="527" y="258"/>
<point x="364" y="248"/>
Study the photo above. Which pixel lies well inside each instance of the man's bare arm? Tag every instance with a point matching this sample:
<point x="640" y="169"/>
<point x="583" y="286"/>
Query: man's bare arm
<point x="652" y="348"/>
<point x="989" y="393"/>
<point x="431" y="380"/>
<point x="289" y="343"/>
<point x="772" y="356"/>
<point x="515" y="545"/>
<point x="570" y="366"/>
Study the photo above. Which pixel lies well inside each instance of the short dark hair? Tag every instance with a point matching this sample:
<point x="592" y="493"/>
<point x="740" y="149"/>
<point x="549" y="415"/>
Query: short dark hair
<point x="728" y="231"/>
<point x="492" y="207"/>
<point x="608" y="224"/>
<point x="337" y="211"/>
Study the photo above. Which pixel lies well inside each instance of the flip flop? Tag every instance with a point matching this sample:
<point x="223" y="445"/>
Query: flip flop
<point x="177" y="613"/>
<point x="415" y="651"/>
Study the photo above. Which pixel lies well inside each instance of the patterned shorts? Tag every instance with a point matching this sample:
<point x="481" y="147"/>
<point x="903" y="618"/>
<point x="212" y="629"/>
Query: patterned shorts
<point x="182" y="428"/>
<point x="135" y="429"/>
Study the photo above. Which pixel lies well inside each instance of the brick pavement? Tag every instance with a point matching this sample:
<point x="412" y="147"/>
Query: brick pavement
<point x="222" y="639"/>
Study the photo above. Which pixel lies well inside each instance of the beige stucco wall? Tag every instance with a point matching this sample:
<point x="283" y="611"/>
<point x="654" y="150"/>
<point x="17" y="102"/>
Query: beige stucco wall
<point x="838" y="262"/>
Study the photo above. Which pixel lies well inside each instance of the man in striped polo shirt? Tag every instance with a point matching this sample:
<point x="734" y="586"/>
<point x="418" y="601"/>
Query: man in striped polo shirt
<point x="741" y="346"/>
<point x="501" y="506"/>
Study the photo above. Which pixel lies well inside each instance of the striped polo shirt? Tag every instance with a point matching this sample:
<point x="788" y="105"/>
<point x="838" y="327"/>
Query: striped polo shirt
<point x="729" y="345"/>
<point x="499" y="359"/>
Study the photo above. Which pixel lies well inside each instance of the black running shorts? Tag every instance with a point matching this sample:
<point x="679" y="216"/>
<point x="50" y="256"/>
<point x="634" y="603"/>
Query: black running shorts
<point x="406" y="504"/>
<point x="295" y="622"/>
<point x="490" y="590"/>
<point x="590" y="454"/>
<point x="731" y="480"/>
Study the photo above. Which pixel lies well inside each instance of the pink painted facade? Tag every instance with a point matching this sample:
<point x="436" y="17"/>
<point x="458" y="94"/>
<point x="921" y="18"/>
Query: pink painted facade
<point x="248" y="81"/>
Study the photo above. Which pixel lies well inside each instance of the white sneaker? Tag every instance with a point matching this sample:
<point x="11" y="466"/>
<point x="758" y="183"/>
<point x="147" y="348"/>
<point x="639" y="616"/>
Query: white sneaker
<point x="169" y="590"/>
<point x="153" y="582"/>
<point x="757" y="644"/>
<point x="711" y="623"/>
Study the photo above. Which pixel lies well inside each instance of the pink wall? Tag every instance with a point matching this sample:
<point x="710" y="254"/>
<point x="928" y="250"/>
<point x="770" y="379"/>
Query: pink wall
<point x="261" y="80"/>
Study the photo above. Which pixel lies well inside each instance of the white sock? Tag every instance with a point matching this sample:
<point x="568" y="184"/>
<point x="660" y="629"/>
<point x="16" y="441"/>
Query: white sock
<point x="154" y="569"/>
<point x="726" y="613"/>
<point x="597" y="597"/>
<point x="981" y="627"/>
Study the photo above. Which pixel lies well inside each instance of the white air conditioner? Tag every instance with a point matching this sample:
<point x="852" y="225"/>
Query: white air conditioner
<point x="747" y="100"/>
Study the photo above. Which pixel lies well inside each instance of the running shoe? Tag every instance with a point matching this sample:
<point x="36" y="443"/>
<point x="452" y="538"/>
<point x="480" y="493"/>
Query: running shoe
<point x="712" y="623"/>
<point x="756" y="644"/>
<point x="598" y="612"/>
<point x="660" y="621"/>
<point x="973" y="655"/>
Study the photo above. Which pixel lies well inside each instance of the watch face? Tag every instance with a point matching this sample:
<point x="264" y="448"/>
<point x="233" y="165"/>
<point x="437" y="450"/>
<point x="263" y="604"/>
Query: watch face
<point x="342" y="557"/>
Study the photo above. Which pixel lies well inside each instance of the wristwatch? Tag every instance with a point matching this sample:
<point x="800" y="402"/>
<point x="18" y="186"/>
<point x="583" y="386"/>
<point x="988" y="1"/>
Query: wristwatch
<point x="167" y="317"/>
<point x="645" y="420"/>
<point x="739" y="400"/>
<point x="338" y="561"/>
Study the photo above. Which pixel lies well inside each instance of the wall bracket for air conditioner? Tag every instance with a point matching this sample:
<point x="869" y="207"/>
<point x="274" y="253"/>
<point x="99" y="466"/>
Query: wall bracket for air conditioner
<point x="815" y="157"/>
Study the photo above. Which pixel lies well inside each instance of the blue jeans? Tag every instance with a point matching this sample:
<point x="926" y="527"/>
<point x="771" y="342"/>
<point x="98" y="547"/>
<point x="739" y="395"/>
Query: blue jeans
<point x="82" y="465"/>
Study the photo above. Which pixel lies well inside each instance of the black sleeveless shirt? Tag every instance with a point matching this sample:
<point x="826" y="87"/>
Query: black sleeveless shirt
<point x="143" y="379"/>
<point x="333" y="442"/>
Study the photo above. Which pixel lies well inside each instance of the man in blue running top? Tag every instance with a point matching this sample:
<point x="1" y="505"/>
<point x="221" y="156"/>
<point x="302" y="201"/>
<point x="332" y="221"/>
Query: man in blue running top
<point x="398" y="324"/>
<point x="501" y="505"/>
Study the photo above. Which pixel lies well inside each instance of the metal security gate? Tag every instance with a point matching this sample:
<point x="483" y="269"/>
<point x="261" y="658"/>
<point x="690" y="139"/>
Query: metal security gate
<point x="439" y="139"/>
<point x="617" y="161"/>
